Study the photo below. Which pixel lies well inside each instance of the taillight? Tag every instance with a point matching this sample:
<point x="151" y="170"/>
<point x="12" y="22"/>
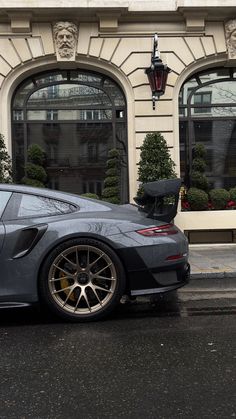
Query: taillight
<point x="163" y="230"/>
<point x="176" y="257"/>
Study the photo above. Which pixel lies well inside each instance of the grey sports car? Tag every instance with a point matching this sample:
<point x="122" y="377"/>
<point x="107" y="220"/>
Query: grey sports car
<point x="79" y="256"/>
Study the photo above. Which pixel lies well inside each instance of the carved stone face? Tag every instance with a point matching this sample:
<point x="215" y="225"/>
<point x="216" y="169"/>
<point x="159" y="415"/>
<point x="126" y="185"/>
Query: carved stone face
<point x="232" y="39"/>
<point x="230" y="32"/>
<point x="65" y="42"/>
<point x="65" y="37"/>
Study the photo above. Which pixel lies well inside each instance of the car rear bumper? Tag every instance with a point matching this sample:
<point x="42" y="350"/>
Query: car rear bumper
<point x="147" y="282"/>
<point x="159" y="277"/>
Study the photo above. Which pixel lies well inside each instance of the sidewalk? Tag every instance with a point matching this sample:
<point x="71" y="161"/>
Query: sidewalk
<point x="213" y="271"/>
<point x="212" y="261"/>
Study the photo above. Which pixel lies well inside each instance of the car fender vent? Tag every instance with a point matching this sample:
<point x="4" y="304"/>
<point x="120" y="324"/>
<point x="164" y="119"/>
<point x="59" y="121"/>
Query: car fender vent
<point x="28" y="239"/>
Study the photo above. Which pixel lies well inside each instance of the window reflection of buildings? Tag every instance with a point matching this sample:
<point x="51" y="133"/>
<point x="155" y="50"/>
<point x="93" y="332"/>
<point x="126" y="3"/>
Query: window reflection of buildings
<point x="212" y="122"/>
<point x="75" y="125"/>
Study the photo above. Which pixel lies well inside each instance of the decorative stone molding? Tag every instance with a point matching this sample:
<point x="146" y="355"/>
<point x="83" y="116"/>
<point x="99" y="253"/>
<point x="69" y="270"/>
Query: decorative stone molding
<point x="20" y="22"/>
<point x="108" y="22"/>
<point x="65" y="36"/>
<point x="195" y="22"/>
<point x="230" y="35"/>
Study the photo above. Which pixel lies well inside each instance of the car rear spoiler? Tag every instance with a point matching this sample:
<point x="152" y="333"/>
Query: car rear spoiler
<point x="160" y="199"/>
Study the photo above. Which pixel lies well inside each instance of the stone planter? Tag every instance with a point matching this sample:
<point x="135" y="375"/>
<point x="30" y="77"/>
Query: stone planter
<point x="208" y="226"/>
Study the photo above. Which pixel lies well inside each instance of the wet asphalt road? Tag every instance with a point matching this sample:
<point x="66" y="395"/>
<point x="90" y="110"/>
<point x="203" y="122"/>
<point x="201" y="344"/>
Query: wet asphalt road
<point x="163" y="359"/>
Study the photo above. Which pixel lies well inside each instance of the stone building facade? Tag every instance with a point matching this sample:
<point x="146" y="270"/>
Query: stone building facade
<point x="72" y="78"/>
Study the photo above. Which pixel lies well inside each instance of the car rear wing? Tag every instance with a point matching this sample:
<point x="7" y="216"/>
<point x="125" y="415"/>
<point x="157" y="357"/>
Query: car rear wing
<point x="160" y="199"/>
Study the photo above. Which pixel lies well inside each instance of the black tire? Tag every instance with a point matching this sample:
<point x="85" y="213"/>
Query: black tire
<point x="71" y="284"/>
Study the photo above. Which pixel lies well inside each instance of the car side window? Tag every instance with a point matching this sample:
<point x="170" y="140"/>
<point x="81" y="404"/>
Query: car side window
<point x="4" y="198"/>
<point x="34" y="206"/>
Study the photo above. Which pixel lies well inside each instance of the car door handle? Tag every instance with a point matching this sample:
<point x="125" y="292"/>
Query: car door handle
<point x="28" y="239"/>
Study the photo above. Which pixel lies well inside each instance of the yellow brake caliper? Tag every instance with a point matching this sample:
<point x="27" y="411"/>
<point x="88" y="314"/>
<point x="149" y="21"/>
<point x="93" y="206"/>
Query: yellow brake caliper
<point x="64" y="284"/>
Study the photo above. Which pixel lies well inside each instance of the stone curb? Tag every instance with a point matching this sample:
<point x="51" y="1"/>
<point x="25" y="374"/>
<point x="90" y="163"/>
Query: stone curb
<point x="210" y="282"/>
<point x="212" y="275"/>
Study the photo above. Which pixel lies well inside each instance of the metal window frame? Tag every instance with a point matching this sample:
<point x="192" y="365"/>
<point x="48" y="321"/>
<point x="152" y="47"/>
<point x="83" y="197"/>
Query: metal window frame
<point x="190" y="138"/>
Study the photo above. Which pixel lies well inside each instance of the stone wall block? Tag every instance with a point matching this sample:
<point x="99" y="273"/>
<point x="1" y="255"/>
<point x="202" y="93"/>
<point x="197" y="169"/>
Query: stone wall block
<point x="174" y="63"/>
<point x="168" y="93"/>
<point x="142" y="92"/>
<point x="138" y="152"/>
<point x="8" y="52"/>
<point x="178" y="47"/>
<point x="172" y="78"/>
<point x="108" y="48"/>
<point x="208" y="45"/>
<point x="1" y="80"/>
<point x="163" y="107"/>
<point x="4" y="67"/>
<point x="195" y="46"/>
<point x="95" y="47"/>
<point x="85" y="33"/>
<point x="154" y="123"/>
<point x="44" y="30"/>
<point x="35" y="47"/>
<point x="129" y="45"/>
<point x="136" y="60"/>
<point x="217" y="30"/>
<point x="138" y="77"/>
<point x="22" y="48"/>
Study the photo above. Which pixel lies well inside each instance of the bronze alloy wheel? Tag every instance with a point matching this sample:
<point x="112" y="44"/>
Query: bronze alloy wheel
<point x="84" y="279"/>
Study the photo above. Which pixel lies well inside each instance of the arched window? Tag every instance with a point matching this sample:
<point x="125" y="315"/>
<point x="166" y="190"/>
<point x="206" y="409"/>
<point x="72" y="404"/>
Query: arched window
<point x="207" y="109"/>
<point x="76" y="117"/>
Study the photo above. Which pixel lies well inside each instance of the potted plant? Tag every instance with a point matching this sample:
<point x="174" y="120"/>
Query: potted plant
<point x="111" y="191"/>
<point x="155" y="160"/>
<point x="35" y="173"/>
<point x="5" y="163"/>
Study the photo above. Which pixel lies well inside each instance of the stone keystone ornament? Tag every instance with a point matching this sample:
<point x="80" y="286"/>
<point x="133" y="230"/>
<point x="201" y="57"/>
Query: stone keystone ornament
<point x="65" y="35"/>
<point x="230" y="34"/>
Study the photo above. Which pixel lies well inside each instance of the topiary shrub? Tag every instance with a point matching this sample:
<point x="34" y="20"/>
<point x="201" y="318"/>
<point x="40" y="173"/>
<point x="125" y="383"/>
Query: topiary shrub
<point x="110" y="181"/>
<point x="219" y="198"/>
<point x="32" y="182"/>
<point x="198" y="178"/>
<point x="199" y="181"/>
<point x="113" y="171"/>
<point x="34" y="168"/>
<point x="36" y="172"/>
<point x="197" y="199"/>
<point x="199" y="151"/>
<point x="36" y="155"/>
<point x="155" y="161"/>
<point x="5" y="163"/>
<point x="111" y="191"/>
<point x="232" y="193"/>
<point x="199" y="165"/>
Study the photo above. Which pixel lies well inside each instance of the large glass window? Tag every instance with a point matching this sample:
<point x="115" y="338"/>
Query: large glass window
<point x="207" y="108"/>
<point x="39" y="206"/>
<point x="4" y="198"/>
<point x="76" y="117"/>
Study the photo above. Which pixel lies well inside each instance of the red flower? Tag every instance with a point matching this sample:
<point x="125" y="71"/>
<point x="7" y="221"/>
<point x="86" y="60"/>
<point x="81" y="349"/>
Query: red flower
<point x="231" y="204"/>
<point x="185" y="205"/>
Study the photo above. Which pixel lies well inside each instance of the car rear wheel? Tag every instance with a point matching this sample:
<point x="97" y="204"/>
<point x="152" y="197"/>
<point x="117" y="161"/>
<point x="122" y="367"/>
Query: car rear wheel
<point x="82" y="280"/>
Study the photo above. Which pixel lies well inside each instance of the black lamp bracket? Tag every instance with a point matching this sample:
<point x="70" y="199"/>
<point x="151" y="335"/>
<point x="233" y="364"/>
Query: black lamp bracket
<point x="155" y="53"/>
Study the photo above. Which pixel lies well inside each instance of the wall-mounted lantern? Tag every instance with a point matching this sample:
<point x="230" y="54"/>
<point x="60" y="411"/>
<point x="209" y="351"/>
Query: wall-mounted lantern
<point x="157" y="73"/>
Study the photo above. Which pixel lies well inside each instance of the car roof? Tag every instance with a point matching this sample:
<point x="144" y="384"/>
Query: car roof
<point x="50" y="193"/>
